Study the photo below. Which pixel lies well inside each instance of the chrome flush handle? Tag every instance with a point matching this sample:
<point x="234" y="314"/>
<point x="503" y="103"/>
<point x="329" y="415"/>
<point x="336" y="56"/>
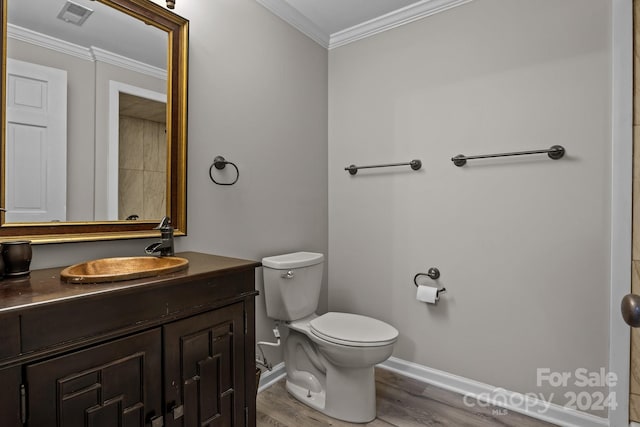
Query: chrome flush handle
<point x="287" y="275"/>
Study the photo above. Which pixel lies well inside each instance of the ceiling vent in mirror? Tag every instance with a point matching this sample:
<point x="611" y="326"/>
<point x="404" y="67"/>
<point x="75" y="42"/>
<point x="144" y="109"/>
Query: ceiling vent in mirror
<point x="74" y="13"/>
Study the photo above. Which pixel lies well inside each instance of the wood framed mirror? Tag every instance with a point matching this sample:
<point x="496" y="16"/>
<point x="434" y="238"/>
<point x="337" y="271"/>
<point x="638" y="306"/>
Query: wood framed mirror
<point x="107" y="189"/>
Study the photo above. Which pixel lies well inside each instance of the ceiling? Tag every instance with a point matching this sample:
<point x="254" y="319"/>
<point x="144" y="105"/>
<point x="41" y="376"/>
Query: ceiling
<point x="106" y="28"/>
<point x="333" y="23"/>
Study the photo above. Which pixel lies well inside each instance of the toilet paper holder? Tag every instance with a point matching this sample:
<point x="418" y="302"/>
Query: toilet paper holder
<point x="433" y="273"/>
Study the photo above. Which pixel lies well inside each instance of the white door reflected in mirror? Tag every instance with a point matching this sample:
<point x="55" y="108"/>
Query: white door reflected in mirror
<point x="36" y="145"/>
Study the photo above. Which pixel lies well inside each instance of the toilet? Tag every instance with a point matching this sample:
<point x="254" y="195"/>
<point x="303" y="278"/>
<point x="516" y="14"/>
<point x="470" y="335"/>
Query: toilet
<point x="329" y="358"/>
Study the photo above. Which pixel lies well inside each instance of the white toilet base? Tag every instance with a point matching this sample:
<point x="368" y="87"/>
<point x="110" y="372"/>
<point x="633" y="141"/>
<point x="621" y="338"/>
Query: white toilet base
<point x="310" y="398"/>
<point x="337" y="380"/>
<point x="350" y="395"/>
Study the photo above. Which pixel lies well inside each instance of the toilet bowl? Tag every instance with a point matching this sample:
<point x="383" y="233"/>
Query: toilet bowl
<point x="329" y="358"/>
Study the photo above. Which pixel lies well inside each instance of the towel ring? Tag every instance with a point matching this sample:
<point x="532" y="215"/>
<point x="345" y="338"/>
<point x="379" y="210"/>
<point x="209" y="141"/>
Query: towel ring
<point x="220" y="163"/>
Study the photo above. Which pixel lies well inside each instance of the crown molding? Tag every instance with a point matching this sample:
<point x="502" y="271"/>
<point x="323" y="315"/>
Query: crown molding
<point x="396" y="18"/>
<point x="128" y="63"/>
<point x="391" y="20"/>
<point x="293" y="17"/>
<point x="29" y="36"/>
<point x="88" y="54"/>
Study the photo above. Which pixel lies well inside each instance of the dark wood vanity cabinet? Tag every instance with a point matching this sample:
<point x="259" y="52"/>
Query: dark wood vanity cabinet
<point x="176" y="350"/>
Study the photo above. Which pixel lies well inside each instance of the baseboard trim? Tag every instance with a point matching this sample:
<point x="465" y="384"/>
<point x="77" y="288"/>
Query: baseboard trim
<point x="477" y="391"/>
<point x="268" y="378"/>
<point x="473" y="391"/>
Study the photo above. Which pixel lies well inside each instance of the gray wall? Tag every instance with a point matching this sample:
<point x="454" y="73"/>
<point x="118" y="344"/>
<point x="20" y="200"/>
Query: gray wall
<point x="522" y="243"/>
<point x="258" y="96"/>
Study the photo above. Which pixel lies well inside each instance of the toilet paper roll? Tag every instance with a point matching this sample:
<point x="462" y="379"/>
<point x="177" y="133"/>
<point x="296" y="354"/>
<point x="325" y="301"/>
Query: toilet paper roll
<point x="427" y="294"/>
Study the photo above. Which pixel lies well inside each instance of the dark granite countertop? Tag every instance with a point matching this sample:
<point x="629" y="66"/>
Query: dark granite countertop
<point x="44" y="286"/>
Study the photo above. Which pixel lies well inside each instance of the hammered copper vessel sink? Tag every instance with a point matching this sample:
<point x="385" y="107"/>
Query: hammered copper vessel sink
<point x="123" y="268"/>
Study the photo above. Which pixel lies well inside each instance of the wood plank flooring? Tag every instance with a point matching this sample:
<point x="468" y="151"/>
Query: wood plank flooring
<point x="401" y="402"/>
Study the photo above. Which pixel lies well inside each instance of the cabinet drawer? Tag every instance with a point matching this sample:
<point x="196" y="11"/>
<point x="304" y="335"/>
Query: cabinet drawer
<point x="9" y="336"/>
<point x="101" y="314"/>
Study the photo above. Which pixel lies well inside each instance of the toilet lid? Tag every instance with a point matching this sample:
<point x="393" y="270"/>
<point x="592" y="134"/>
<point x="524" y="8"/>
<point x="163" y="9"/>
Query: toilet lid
<point x="353" y="329"/>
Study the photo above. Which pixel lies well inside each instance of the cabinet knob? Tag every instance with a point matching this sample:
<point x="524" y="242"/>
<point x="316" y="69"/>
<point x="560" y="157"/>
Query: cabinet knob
<point x="178" y="412"/>
<point x="191" y="380"/>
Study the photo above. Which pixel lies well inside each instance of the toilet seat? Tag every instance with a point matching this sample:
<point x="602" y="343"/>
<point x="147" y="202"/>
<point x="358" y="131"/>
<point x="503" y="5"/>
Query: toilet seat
<point x="353" y="330"/>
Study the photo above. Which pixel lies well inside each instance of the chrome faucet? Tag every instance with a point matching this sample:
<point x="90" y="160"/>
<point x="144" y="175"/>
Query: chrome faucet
<point x="165" y="246"/>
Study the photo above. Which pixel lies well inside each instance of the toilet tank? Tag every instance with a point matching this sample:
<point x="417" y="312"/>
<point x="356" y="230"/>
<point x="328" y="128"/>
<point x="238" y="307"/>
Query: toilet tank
<point x="292" y="284"/>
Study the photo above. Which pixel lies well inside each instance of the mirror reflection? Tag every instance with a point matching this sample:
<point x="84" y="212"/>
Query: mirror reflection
<point x="85" y="114"/>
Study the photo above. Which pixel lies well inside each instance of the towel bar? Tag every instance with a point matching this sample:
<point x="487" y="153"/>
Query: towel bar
<point x="555" y="152"/>
<point x="415" y="165"/>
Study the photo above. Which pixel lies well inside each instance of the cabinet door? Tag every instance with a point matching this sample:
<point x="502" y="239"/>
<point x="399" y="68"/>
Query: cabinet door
<point x="10" y="406"/>
<point x="204" y="368"/>
<point x="113" y="384"/>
